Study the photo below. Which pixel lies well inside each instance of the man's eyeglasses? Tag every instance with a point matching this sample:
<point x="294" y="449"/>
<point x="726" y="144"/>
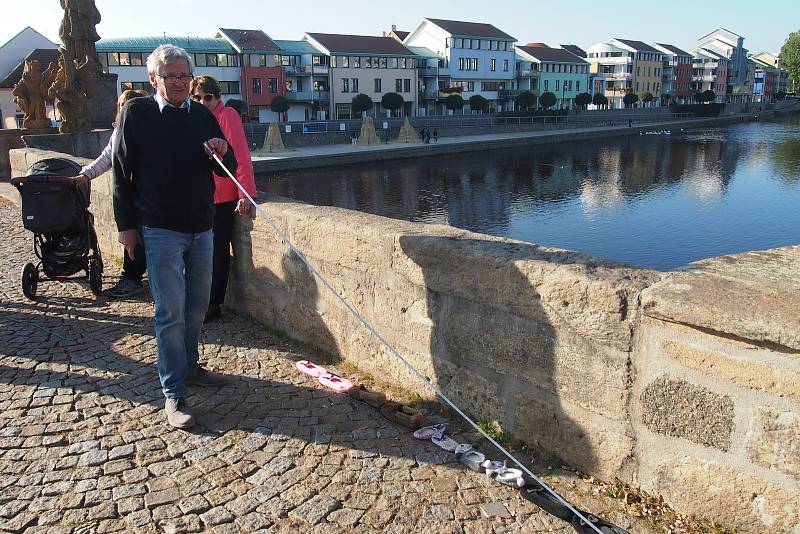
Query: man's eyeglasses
<point x="208" y="97"/>
<point x="171" y="78"/>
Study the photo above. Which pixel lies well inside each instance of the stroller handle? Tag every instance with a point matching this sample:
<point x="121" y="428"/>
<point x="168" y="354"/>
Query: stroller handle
<point x="41" y="178"/>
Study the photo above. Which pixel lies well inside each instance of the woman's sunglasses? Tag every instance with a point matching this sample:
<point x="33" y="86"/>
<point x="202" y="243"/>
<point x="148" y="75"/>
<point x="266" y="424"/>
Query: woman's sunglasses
<point x="208" y="97"/>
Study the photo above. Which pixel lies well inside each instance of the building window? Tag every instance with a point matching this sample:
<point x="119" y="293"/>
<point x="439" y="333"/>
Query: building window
<point x="407" y="85"/>
<point x="377" y="85"/>
<point x="256" y="86"/>
<point x="460" y="63"/>
<point x="578" y="85"/>
<point x="392" y="62"/>
<point x="403" y="63"/>
<point x="273" y="86"/>
<point x="492" y="65"/>
<point x="547" y="85"/>
<point x="356" y="62"/>
<point x="229" y="88"/>
<point x="345" y="61"/>
<point x="505" y="65"/>
<point x="383" y="62"/>
<point x="558" y="83"/>
<point x="333" y="62"/>
<point x="345" y="85"/>
<point x="138" y="86"/>
<point x="398" y="85"/>
<point x="316" y="60"/>
<point x="354" y="85"/>
<point x="474" y="63"/>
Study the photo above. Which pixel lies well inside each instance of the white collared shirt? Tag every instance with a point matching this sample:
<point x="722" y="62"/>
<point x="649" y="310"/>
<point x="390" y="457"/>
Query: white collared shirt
<point x="163" y="102"/>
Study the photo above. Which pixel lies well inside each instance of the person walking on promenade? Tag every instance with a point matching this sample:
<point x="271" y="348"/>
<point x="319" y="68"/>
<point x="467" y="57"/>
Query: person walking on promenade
<point x="228" y="199"/>
<point x="164" y="198"/>
<point x="132" y="270"/>
<point x="435" y="136"/>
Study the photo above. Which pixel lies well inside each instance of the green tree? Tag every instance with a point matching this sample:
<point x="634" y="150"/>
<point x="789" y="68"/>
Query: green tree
<point x="698" y="97"/>
<point x="478" y="103"/>
<point x="709" y="96"/>
<point x="646" y="97"/>
<point x="583" y="100"/>
<point x="361" y="103"/>
<point x="780" y="95"/>
<point x="665" y="98"/>
<point x="547" y="100"/>
<point x="392" y="101"/>
<point x="790" y="57"/>
<point x="630" y="99"/>
<point x="599" y="99"/>
<point x="525" y="100"/>
<point x="280" y="105"/>
<point x="453" y="102"/>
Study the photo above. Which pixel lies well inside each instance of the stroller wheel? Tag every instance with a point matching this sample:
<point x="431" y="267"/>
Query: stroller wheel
<point x="95" y="271"/>
<point x="30" y="279"/>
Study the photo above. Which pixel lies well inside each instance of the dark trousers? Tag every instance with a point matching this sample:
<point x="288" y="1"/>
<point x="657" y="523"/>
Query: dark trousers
<point x="134" y="269"/>
<point x="223" y="229"/>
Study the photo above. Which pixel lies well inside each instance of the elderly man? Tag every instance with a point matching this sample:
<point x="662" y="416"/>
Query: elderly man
<point x="164" y="196"/>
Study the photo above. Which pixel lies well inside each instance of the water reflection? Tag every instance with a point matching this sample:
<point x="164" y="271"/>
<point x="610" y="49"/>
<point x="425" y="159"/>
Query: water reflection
<point x="656" y="201"/>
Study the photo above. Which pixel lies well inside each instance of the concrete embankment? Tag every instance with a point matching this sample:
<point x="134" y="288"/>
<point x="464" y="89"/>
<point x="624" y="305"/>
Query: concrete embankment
<point x="323" y="156"/>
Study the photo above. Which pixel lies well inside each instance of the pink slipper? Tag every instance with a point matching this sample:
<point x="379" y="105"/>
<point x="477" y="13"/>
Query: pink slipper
<point x="336" y="383"/>
<point x="309" y="368"/>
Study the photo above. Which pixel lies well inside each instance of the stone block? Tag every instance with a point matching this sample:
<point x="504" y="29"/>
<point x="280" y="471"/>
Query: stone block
<point x="723" y="493"/>
<point x="581" y="438"/>
<point x="773" y="440"/>
<point x="758" y="375"/>
<point x="679" y="409"/>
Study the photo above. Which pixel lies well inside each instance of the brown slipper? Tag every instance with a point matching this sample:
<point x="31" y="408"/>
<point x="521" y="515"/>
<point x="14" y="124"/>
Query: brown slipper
<point x="374" y="398"/>
<point x="402" y="414"/>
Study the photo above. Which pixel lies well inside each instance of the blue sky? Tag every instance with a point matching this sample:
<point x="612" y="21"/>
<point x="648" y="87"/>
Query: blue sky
<point x="678" y="22"/>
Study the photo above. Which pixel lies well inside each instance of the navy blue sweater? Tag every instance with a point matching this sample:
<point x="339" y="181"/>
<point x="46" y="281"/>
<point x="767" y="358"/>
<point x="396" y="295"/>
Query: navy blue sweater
<point x="162" y="176"/>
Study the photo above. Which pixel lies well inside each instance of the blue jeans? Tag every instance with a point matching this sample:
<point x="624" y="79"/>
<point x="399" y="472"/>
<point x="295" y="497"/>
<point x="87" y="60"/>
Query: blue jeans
<point x="179" y="267"/>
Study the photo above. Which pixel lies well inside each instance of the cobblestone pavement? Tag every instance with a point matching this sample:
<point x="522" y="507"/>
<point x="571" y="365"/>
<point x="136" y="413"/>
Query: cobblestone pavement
<point x="84" y="446"/>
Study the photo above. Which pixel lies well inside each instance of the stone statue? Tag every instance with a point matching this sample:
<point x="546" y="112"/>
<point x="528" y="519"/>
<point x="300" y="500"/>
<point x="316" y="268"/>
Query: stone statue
<point x="72" y="87"/>
<point x="31" y="91"/>
<point x="77" y="31"/>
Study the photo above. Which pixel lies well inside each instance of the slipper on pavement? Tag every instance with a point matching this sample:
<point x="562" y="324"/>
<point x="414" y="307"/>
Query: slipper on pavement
<point x="402" y="414"/>
<point x="367" y="396"/>
<point x="493" y="466"/>
<point x="336" y="383"/>
<point x="510" y="476"/>
<point x="604" y="526"/>
<point x="427" y="432"/>
<point x="462" y="448"/>
<point x="445" y="442"/>
<point x="472" y="459"/>
<point x="538" y="495"/>
<point x="309" y="368"/>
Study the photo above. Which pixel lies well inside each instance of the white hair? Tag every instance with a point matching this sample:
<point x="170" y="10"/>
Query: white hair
<point x="166" y="53"/>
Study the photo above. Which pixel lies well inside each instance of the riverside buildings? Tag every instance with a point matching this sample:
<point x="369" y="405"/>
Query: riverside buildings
<point x="320" y="73"/>
<point x="554" y="70"/>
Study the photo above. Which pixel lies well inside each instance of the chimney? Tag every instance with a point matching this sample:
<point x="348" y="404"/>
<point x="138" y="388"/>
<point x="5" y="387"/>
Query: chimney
<point x="394" y="28"/>
<point x="384" y="34"/>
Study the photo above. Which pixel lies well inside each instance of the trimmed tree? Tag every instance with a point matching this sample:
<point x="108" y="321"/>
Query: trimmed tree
<point x="392" y="101"/>
<point x="647" y="97"/>
<point x="361" y="103"/>
<point x="547" y="100"/>
<point x="454" y="102"/>
<point x="583" y="99"/>
<point x="478" y="103"/>
<point x="709" y="96"/>
<point x="630" y="99"/>
<point x="280" y="105"/>
<point x="780" y="95"/>
<point x="599" y="99"/>
<point x="698" y="97"/>
<point x="525" y="100"/>
<point x="790" y="57"/>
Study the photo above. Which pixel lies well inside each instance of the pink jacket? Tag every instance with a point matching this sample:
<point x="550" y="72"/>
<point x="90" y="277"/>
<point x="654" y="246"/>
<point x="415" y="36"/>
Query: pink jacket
<point x="231" y="125"/>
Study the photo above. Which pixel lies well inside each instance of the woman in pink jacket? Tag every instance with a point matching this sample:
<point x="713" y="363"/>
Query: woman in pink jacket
<point x="228" y="199"/>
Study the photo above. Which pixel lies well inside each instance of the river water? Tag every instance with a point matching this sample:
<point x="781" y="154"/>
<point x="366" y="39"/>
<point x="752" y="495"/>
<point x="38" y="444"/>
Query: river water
<point x="658" y="201"/>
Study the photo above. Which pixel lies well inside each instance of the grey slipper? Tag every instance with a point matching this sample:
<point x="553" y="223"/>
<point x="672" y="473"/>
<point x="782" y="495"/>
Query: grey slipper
<point x="472" y="459"/>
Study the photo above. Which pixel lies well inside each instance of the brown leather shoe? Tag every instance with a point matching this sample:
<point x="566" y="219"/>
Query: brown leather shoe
<point x="178" y="413"/>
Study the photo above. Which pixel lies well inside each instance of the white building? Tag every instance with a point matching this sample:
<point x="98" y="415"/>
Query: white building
<point x="475" y="59"/>
<point x="731" y="46"/>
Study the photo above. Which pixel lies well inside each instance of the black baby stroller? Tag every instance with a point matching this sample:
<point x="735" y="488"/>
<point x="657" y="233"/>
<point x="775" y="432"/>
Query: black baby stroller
<point x="55" y="209"/>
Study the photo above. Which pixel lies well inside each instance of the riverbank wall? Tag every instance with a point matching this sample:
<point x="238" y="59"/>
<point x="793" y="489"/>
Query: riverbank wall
<point x="686" y="384"/>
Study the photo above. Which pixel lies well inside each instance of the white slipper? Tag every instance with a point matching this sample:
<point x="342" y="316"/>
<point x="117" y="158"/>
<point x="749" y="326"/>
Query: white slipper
<point x="509" y="476"/>
<point x="462" y="448"/>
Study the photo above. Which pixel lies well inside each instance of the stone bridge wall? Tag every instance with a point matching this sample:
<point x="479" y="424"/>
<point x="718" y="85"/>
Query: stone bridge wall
<point x="687" y="384"/>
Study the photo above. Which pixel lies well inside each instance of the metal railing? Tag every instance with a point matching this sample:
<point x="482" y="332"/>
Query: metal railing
<point x="307" y="96"/>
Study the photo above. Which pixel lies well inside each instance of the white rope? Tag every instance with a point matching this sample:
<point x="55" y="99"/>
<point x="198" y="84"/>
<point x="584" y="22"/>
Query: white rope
<point x="391" y="349"/>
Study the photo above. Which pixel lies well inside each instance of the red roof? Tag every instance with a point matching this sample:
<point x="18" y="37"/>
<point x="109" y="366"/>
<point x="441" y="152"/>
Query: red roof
<point x="250" y="40"/>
